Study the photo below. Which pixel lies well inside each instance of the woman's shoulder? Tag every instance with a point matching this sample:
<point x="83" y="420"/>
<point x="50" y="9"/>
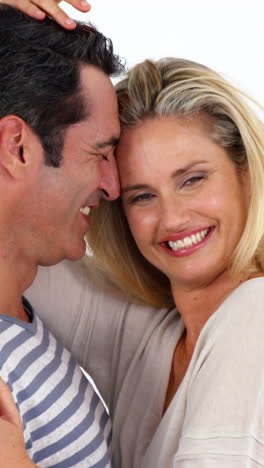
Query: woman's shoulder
<point x="226" y="375"/>
<point x="236" y="328"/>
<point x="244" y="306"/>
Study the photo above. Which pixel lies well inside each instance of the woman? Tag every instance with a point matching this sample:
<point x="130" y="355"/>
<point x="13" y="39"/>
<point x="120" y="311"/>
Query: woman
<point x="184" y="384"/>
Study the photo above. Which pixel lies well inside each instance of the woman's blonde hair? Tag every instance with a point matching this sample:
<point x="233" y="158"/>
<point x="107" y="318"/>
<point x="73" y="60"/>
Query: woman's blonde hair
<point x="174" y="87"/>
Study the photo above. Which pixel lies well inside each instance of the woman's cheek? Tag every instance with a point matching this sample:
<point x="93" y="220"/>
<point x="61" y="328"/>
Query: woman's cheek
<point x="142" y="225"/>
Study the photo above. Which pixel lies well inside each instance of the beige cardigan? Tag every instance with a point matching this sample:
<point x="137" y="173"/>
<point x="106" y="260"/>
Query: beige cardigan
<point x="216" y="418"/>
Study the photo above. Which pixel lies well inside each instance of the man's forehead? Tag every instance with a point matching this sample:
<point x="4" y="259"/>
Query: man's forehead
<point x="97" y="87"/>
<point x="103" y="126"/>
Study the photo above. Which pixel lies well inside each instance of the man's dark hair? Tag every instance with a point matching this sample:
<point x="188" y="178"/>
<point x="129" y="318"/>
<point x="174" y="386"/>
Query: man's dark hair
<point x="40" y="73"/>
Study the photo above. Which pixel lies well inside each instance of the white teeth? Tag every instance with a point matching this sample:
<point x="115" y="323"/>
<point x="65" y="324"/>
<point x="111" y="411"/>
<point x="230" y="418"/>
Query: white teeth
<point x="180" y="243"/>
<point x="188" y="241"/>
<point x="85" y="210"/>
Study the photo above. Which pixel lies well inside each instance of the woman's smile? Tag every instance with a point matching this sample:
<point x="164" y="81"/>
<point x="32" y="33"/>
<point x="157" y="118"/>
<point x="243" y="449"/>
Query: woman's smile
<point x="188" y="242"/>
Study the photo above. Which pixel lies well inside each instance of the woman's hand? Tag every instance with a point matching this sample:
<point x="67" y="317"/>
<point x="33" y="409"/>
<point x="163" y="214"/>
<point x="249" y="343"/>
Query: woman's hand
<point x="40" y="8"/>
<point x="12" y="446"/>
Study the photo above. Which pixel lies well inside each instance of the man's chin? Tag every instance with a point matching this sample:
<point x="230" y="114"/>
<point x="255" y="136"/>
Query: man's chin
<point x="71" y="254"/>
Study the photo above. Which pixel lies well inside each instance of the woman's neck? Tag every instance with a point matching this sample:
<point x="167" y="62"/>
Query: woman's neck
<point x="196" y="305"/>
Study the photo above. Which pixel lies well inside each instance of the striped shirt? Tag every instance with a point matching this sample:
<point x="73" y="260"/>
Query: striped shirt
<point x="65" y="423"/>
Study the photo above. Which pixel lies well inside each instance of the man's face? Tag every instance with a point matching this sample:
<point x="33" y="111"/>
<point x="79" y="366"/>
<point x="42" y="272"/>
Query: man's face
<point x="87" y="173"/>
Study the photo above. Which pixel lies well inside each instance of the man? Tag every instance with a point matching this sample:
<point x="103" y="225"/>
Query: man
<point x="58" y="130"/>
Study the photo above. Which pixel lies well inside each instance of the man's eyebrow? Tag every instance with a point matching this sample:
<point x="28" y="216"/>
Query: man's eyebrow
<point x="176" y="173"/>
<point x="104" y="144"/>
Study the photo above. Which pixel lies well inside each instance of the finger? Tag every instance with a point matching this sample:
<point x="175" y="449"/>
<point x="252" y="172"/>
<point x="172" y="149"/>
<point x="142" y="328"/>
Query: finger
<point x="52" y="9"/>
<point x="27" y="7"/>
<point x="81" y="5"/>
<point x="8" y="409"/>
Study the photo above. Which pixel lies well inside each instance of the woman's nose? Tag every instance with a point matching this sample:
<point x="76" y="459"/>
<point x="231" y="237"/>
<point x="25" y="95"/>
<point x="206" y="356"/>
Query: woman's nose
<point x="174" y="214"/>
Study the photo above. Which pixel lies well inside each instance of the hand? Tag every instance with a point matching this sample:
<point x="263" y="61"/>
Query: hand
<point x="12" y="446"/>
<point x="40" y="8"/>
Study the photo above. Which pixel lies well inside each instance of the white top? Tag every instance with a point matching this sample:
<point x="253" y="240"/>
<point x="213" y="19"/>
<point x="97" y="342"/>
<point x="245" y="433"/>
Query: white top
<point x="216" y="418"/>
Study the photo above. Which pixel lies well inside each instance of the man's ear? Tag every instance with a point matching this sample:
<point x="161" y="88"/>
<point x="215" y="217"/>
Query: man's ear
<point x="13" y="135"/>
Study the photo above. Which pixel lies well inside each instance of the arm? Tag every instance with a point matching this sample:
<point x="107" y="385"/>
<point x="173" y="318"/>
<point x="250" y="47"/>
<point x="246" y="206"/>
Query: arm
<point x="101" y="327"/>
<point x="83" y="316"/>
<point x="12" y="446"/>
<point x="68" y="299"/>
<point x="39" y="9"/>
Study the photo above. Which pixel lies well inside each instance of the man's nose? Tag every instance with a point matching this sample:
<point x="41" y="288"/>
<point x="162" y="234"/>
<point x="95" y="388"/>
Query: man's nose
<point x="110" y="185"/>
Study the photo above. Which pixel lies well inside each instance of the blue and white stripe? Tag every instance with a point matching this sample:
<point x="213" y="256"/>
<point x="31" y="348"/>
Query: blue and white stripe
<point x="65" y="423"/>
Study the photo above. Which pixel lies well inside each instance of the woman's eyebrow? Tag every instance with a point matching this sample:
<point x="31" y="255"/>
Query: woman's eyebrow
<point x="134" y="187"/>
<point x="189" y="166"/>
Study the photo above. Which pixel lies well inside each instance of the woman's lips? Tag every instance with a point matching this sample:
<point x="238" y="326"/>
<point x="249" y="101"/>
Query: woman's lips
<point x="177" y="246"/>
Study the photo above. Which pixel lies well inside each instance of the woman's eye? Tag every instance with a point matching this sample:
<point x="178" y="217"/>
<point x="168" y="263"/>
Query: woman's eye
<point x="141" y="198"/>
<point x="193" y="180"/>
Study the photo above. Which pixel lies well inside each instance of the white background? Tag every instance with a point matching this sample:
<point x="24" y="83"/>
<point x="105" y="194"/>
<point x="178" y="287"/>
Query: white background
<point x="226" y="35"/>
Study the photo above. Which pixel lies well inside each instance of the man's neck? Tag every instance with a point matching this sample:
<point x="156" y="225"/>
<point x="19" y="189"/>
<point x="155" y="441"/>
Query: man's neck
<point x="15" y="278"/>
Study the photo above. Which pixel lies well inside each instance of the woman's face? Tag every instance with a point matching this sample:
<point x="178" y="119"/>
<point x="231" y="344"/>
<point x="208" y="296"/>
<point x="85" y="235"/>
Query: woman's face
<point x="185" y="201"/>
